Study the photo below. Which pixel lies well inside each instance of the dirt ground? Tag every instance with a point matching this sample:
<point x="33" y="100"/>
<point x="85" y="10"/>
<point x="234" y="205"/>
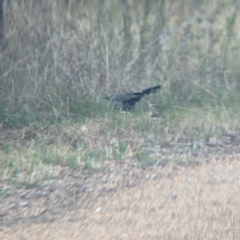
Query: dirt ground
<point x="162" y="202"/>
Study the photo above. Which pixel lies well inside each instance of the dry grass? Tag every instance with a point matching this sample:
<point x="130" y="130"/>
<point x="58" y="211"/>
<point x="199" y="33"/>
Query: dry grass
<point x="60" y="58"/>
<point x="199" y="202"/>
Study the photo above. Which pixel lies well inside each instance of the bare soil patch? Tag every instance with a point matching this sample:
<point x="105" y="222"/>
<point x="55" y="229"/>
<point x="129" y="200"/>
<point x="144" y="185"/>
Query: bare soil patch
<point x="171" y="202"/>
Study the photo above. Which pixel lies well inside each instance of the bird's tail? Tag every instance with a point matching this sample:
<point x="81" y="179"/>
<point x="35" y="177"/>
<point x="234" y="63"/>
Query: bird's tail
<point x="151" y="90"/>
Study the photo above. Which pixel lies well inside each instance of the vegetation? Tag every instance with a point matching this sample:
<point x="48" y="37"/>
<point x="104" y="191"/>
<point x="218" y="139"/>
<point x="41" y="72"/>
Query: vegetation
<point x="59" y="59"/>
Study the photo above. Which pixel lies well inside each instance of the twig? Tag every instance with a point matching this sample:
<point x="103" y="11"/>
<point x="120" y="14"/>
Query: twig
<point x="208" y="91"/>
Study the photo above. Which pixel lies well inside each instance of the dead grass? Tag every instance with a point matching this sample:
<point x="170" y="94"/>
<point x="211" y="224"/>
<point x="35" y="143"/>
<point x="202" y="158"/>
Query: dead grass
<point x="174" y="202"/>
<point x="59" y="59"/>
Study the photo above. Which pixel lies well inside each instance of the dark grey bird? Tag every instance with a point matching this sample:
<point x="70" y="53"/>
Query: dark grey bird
<point x="126" y="101"/>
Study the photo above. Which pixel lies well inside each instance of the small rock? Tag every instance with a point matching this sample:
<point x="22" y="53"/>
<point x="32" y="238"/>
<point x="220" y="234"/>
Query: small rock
<point x="98" y="210"/>
<point x="83" y="128"/>
<point x="22" y="204"/>
<point x="173" y="197"/>
<point x="189" y="180"/>
<point x="41" y="194"/>
<point x="113" y="141"/>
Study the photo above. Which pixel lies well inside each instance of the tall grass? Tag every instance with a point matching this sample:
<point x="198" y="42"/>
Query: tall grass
<point x="61" y="56"/>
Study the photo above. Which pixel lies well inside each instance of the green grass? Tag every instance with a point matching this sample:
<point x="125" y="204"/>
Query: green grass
<point x="33" y="156"/>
